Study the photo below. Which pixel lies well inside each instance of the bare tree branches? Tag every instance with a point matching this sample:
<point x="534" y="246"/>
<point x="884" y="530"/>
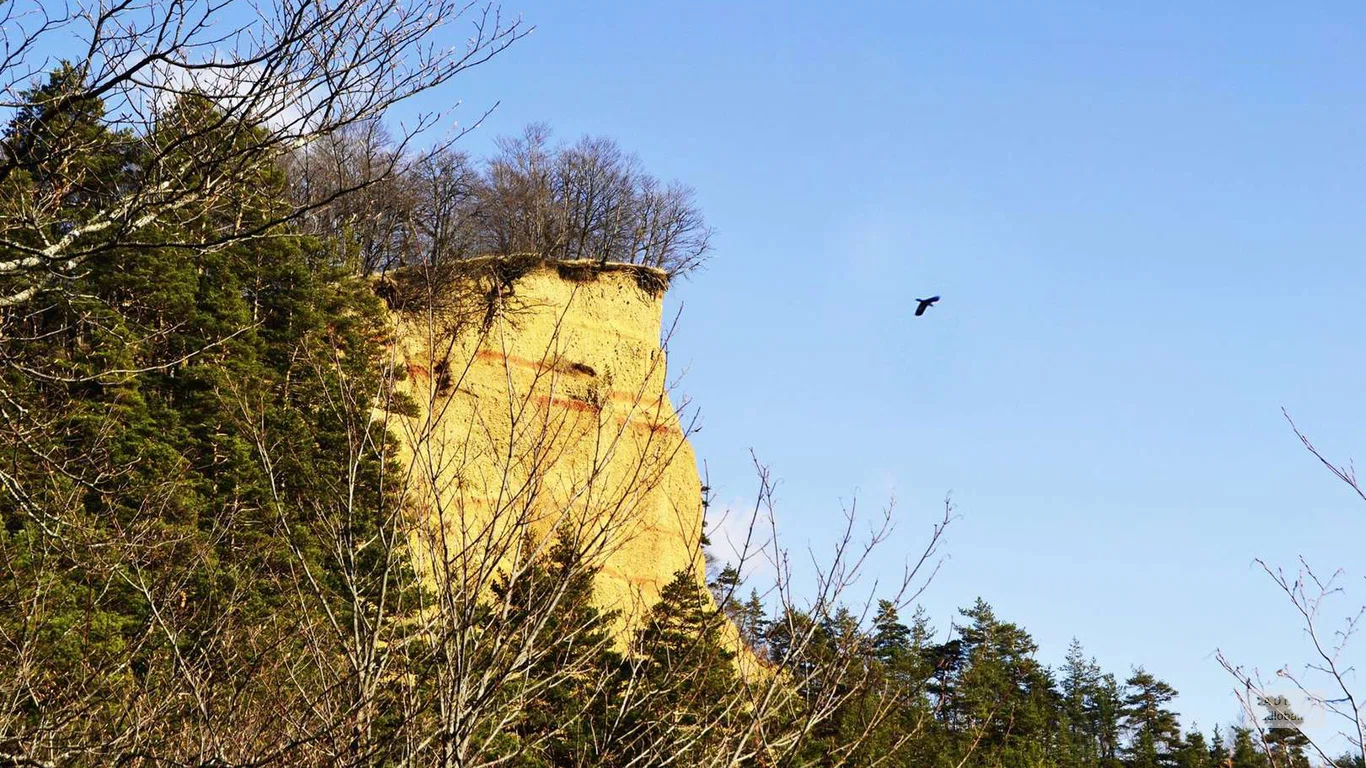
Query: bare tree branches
<point x="276" y="77"/>
<point x="1346" y="473"/>
<point x="1308" y="593"/>
<point x="586" y="201"/>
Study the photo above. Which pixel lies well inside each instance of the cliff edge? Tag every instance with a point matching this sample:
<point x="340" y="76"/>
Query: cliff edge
<point x="542" y="407"/>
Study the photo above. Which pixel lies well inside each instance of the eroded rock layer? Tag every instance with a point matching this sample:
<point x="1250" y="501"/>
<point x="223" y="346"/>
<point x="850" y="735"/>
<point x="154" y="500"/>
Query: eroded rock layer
<point x="542" y="405"/>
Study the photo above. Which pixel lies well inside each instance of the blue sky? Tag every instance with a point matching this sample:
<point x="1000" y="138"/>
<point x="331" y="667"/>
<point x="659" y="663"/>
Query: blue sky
<point x="1146" y="224"/>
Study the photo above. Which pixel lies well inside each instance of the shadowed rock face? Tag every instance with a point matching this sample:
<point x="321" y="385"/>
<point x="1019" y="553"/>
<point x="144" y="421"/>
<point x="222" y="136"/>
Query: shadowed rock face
<point x="544" y="406"/>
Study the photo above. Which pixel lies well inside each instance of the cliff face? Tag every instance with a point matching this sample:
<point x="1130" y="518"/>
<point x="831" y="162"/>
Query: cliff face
<point x="542" y="406"/>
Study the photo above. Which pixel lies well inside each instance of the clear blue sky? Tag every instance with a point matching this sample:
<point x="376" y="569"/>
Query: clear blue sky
<point x="1146" y="224"/>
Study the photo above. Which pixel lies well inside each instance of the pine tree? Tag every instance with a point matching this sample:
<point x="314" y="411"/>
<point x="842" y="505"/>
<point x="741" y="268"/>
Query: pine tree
<point x="1153" y="728"/>
<point x="552" y="607"/>
<point x="1245" y="753"/>
<point x="891" y="638"/>
<point x="1284" y="739"/>
<point x="1193" y="752"/>
<point x="682" y="677"/>
<point x="1109" y="712"/>
<point x="752" y="622"/>
<point x="1080" y="690"/>
<point x="922" y="630"/>
<point x="62" y="151"/>
<point x="749" y="616"/>
<point x="1218" y="750"/>
<point x="725" y="590"/>
<point x="1003" y="692"/>
<point x="904" y="666"/>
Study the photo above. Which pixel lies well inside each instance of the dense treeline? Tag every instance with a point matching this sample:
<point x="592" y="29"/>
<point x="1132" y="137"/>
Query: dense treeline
<point x="179" y="452"/>
<point x="981" y="698"/>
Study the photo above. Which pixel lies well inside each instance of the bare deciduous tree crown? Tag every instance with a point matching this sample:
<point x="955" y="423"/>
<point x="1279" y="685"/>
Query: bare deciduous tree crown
<point x="589" y="200"/>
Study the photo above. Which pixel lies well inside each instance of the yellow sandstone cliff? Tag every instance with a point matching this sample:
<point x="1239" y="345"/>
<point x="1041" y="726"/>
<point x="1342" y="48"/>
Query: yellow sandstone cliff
<point x="542" y="405"/>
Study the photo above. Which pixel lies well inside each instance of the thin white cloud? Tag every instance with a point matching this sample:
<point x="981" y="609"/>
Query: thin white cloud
<point x="736" y="536"/>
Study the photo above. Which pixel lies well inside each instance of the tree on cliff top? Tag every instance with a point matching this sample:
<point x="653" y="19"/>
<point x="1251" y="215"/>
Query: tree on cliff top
<point x="589" y="200"/>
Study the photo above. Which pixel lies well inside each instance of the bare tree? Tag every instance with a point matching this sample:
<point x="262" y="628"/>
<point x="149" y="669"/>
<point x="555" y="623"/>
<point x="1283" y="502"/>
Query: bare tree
<point x="589" y="200"/>
<point x="372" y="206"/>
<point x="1327" y="679"/>
<point x="520" y="197"/>
<point x="586" y="201"/>
<point x="278" y="77"/>
<point x="446" y="212"/>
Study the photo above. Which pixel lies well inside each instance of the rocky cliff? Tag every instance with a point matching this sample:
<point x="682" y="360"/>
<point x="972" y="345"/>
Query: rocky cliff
<point x="542" y="405"/>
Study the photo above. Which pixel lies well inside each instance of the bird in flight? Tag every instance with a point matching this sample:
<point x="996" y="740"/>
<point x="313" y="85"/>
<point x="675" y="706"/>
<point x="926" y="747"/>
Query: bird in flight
<point x="925" y="304"/>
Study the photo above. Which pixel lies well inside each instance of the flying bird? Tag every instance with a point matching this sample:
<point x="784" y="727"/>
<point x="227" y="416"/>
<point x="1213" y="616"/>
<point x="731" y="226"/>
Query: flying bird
<point x="925" y="304"/>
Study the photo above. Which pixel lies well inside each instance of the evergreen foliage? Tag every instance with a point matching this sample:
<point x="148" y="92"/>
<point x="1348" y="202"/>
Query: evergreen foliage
<point x="197" y="428"/>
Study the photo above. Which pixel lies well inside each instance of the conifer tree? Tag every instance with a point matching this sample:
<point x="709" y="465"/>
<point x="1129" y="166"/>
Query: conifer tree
<point x="891" y="638"/>
<point x="1004" y="691"/>
<point x="1245" y="753"/>
<point x="752" y="622"/>
<point x="725" y="590"/>
<point x="562" y="702"/>
<point x="1218" y="750"/>
<point x="1153" y="728"/>
<point x="1193" y="752"/>
<point x="681" y="681"/>
<point x="1081" y="737"/>
<point x="1285" y="741"/>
